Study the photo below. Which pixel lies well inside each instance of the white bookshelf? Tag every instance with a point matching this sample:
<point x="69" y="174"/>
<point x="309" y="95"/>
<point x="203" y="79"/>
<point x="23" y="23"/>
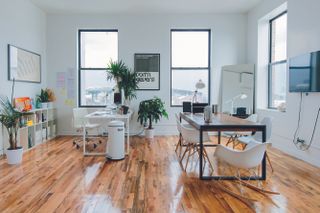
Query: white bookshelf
<point x="42" y="129"/>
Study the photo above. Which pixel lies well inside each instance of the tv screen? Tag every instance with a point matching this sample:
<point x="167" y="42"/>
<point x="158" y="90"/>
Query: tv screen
<point x="304" y="73"/>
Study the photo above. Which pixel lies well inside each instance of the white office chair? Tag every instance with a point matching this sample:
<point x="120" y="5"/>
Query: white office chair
<point x="257" y="137"/>
<point x="179" y="145"/>
<point x="79" y="120"/>
<point x="234" y="135"/>
<point x="190" y="139"/>
<point x="248" y="159"/>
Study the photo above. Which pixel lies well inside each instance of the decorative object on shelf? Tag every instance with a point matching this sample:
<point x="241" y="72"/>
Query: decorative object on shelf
<point x="23" y="65"/>
<point x="46" y="98"/>
<point x="199" y="85"/>
<point x="151" y="111"/>
<point x="147" y="70"/>
<point x="125" y="79"/>
<point x="10" y="118"/>
<point x="23" y="104"/>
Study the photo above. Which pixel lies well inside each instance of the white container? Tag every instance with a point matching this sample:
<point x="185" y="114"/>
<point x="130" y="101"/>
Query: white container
<point x="14" y="156"/>
<point x="207" y="114"/>
<point x="149" y="133"/>
<point x="115" y="144"/>
<point x="44" y="105"/>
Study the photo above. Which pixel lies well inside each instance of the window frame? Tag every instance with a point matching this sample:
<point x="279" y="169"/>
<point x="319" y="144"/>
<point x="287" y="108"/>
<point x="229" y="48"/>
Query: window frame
<point x="191" y="68"/>
<point x="270" y="63"/>
<point x="83" y="69"/>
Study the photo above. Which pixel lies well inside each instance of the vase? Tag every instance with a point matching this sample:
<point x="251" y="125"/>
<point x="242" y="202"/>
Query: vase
<point x="44" y="105"/>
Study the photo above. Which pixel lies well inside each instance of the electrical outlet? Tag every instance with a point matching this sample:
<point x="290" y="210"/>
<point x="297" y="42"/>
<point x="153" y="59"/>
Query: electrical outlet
<point x="301" y="141"/>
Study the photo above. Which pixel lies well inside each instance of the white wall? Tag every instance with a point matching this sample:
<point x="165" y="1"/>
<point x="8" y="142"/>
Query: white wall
<point x="143" y="34"/>
<point x="23" y="25"/>
<point x="303" y="37"/>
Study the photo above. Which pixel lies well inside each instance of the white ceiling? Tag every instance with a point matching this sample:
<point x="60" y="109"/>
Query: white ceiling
<point x="146" y="6"/>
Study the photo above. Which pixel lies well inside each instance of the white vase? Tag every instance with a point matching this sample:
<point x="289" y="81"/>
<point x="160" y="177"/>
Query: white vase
<point x="149" y="133"/>
<point x="50" y="104"/>
<point x="44" y="105"/>
<point x="14" y="156"/>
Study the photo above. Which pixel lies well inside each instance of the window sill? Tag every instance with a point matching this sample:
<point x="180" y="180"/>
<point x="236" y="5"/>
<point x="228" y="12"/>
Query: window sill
<point x="270" y="110"/>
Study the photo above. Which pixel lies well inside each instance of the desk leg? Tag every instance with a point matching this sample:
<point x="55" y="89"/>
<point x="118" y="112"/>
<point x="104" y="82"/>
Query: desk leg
<point x="128" y="140"/>
<point x="264" y="163"/>
<point x="84" y="139"/>
<point x="201" y="154"/>
<point x="219" y="137"/>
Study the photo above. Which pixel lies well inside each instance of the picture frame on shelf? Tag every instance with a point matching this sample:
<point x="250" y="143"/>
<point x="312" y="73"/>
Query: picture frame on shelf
<point x="147" y="69"/>
<point x="23" y="65"/>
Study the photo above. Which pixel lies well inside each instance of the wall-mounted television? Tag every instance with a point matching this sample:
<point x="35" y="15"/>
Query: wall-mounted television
<point x="304" y="73"/>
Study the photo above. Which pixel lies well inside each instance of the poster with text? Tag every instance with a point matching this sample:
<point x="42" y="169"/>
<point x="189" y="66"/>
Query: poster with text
<point x="147" y="68"/>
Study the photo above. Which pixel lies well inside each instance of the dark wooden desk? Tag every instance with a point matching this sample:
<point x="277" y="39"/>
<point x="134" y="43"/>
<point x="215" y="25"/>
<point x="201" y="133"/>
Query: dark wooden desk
<point x="222" y="122"/>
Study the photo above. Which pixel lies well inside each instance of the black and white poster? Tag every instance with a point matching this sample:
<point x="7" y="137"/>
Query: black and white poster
<point x="147" y="68"/>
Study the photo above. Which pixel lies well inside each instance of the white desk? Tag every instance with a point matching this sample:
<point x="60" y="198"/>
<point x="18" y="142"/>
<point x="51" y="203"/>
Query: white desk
<point x="104" y="115"/>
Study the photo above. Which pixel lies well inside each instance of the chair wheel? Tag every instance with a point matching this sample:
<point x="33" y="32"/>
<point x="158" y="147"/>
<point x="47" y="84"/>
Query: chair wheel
<point x="78" y="147"/>
<point x="95" y="146"/>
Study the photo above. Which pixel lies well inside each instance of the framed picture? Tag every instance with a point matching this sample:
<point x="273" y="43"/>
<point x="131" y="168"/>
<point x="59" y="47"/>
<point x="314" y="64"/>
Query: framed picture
<point x="147" y="68"/>
<point x="23" y="65"/>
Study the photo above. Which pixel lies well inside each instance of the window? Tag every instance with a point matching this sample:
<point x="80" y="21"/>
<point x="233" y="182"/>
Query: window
<point x="190" y="62"/>
<point x="277" y="61"/>
<point x="96" y="49"/>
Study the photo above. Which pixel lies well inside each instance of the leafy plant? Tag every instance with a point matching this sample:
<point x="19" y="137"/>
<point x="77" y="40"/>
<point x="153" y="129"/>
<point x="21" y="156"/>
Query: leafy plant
<point x="115" y="70"/>
<point x="129" y="84"/>
<point x="151" y="111"/>
<point x="10" y="118"/>
<point x="51" y="95"/>
<point x="44" y="96"/>
<point x="125" y="78"/>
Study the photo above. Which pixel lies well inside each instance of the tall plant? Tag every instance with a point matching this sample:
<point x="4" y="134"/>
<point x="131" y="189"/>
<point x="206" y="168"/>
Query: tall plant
<point x="151" y="111"/>
<point x="10" y="118"/>
<point x="125" y="78"/>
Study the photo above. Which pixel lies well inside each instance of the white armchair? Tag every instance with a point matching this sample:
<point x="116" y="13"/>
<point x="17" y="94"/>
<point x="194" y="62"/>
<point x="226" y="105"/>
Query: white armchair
<point x="234" y="135"/>
<point x="257" y="137"/>
<point x="190" y="139"/>
<point x="79" y="121"/>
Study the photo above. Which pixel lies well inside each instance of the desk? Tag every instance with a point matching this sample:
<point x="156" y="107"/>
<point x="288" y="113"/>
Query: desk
<point x="104" y="115"/>
<point x="223" y="122"/>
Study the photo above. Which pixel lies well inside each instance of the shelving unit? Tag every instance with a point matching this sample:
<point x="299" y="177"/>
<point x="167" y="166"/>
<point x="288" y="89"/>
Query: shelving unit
<point x="38" y="126"/>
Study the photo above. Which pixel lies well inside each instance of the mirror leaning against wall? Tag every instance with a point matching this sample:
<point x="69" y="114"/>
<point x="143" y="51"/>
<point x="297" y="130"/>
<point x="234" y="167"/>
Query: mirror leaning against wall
<point x="237" y="90"/>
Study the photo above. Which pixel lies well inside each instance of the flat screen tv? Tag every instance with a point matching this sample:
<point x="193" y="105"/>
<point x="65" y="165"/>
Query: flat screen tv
<point x="304" y="73"/>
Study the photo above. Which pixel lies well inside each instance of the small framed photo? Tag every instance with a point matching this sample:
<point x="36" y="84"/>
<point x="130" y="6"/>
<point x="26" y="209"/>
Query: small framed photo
<point x="23" y="65"/>
<point x="147" y="69"/>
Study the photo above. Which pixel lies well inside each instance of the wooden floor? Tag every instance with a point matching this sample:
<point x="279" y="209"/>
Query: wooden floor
<point x="55" y="177"/>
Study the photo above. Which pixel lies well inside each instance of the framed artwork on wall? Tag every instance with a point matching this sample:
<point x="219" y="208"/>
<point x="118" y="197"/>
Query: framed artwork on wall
<point x="23" y="65"/>
<point x="147" y="69"/>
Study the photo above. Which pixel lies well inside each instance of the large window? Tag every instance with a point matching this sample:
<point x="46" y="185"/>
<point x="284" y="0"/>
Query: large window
<point x="96" y="49"/>
<point x="190" y="63"/>
<point x="277" y="61"/>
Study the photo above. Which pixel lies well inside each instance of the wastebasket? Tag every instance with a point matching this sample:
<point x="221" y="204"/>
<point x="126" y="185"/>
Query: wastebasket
<point x="115" y="144"/>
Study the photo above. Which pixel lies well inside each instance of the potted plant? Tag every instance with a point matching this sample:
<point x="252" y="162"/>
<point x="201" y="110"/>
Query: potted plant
<point x="126" y="79"/>
<point x="51" y="97"/>
<point x="151" y="111"/>
<point x="10" y="118"/>
<point x="43" y="98"/>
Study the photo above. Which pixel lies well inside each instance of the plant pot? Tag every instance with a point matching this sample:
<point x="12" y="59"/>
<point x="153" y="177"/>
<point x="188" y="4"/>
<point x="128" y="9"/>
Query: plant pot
<point x="44" y="105"/>
<point x="50" y="104"/>
<point x="14" y="156"/>
<point x="149" y="133"/>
